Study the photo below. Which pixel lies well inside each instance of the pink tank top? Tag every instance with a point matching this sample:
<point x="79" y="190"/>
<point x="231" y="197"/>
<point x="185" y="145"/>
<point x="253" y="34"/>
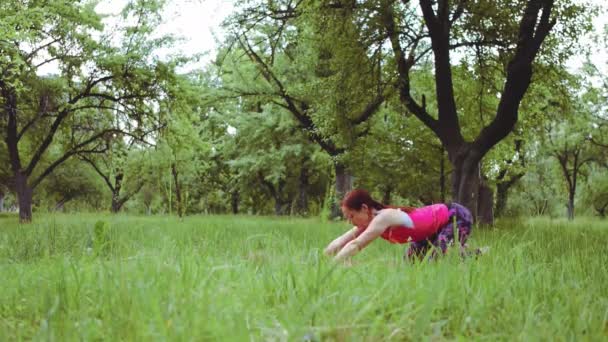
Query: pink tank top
<point x="427" y="221"/>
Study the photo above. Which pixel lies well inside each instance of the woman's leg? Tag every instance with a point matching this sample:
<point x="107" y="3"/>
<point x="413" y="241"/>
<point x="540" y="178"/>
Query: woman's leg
<point x="460" y="219"/>
<point x="464" y="221"/>
<point x="417" y="250"/>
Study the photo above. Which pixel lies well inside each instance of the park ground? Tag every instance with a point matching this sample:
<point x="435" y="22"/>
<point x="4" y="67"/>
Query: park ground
<point x="242" y="278"/>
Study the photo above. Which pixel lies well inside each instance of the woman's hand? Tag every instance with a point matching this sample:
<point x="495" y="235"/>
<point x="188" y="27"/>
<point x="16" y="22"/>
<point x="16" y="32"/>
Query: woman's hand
<point x="332" y="248"/>
<point x="342" y="240"/>
<point x="348" y="251"/>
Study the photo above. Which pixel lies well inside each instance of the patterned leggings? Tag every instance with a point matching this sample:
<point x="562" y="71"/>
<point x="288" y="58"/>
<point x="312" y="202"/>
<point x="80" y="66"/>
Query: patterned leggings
<point x="445" y="236"/>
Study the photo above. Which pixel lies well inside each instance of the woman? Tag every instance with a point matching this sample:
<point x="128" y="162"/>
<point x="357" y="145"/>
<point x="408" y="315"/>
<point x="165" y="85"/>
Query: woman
<point x="423" y="227"/>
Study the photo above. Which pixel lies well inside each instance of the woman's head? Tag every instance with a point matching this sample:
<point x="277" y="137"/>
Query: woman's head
<point x="358" y="206"/>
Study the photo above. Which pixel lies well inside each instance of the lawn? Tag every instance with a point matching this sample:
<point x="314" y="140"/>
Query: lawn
<point x="242" y="278"/>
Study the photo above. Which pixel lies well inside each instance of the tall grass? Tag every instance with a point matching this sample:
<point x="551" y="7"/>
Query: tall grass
<point x="225" y="278"/>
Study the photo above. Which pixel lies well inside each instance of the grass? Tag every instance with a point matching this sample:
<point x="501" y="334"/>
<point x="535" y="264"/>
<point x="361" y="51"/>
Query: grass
<point x="239" y="278"/>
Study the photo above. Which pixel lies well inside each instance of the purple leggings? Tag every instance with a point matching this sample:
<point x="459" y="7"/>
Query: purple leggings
<point x="445" y="235"/>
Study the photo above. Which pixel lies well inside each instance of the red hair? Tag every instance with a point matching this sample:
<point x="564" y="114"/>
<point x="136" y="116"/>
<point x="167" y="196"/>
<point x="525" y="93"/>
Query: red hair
<point x="355" y="199"/>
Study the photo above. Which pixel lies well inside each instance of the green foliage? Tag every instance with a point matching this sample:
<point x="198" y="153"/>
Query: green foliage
<point x="108" y="82"/>
<point x="269" y="152"/>
<point x="400" y="159"/>
<point x="595" y="193"/>
<point x="540" y="192"/>
<point x="72" y="187"/>
<point x="285" y="102"/>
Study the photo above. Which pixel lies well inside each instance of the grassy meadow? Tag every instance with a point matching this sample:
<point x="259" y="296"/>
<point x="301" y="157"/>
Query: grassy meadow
<point x="242" y="278"/>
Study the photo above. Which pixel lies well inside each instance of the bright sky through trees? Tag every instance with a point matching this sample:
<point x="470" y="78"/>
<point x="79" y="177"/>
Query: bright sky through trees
<point x="198" y="22"/>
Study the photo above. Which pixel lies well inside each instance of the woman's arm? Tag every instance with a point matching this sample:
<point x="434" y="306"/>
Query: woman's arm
<point x="342" y="240"/>
<point x="385" y="218"/>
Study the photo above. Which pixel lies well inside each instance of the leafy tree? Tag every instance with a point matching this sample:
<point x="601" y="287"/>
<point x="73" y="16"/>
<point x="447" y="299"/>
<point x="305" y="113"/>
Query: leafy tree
<point x="182" y="152"/>
<point x="281" y="160"/>
<point x="468" y="26"/>
<point x="102" y="89"/>
<point x="570" y="146"/>
<point x="400" y="159"/>
<point x="219" y="187"/>
<point x="539" y="190"/>
<point x="5" y="174"/>
<point x="69" y="182"/>
<point x="595" y="193"/>
<point x="285" y="53"/>
<point x="491" y="35"/>
<point x="119" y="167"/>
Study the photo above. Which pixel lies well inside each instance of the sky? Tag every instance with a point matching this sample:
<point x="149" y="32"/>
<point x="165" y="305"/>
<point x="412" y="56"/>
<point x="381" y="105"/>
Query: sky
<point x="198" y="22"/>
<point x="599" y="55"/>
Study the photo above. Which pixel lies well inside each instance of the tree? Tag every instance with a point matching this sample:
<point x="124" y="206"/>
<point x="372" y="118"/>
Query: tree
<point x="69" y="182"/>
<point x="510" y="172"/>
<point x="462" y="25"/>
<point x="596" y="191"/>
<point x="182" y="150"/>
<point x="539" y="189"/>
<point x="119" y="169"/>
<point x="4" y="174"/>
<point x="297" y="57"/>
<point x="281" y="161"/>
<point x="400" y="160"/>
<point x="570" y="146"/>
<point x="103" y="88"/>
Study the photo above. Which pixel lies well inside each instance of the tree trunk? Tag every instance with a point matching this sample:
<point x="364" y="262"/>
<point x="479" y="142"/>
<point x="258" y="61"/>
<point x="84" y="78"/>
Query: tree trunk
<point x="465" y="181"/>
<point x="234" y="202"/>
<point x="302" y="200"/>
<point x="61" y="204"/>
<point x="24" y="197"/>
<point x="289" y="204"/>
<point x="22" y="188"/>
<point x="386" y="196"/>
<point x="280" y="208"/>
<point x="571" y="206"/>
<point x="116" y="201"/>
<point x="442" y="175"/>
<point x="502" y="189"/>
<point x="178" y="191"/>
<point x="601" y="210"/>
<point x="1" y="201"/>
<point x="600" y="205"/>
<point x="344" y="183"/>
<point x="282" y="205"/>
<point x="502" y="193"/>
<point x="468" y="188"/>
<point x="277" y="208"/>
<point x="148" y="205"/>
<point x="485" y="205"/>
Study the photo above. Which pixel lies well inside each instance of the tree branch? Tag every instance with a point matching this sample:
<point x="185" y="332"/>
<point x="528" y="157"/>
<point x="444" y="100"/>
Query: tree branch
<point x="36" y="50"/>
<point x="59" y="161"/>
<point x="301" y="116"/>
<point x="55" y="126"/>
<point x="519" y="73"/>
<point x="99" y="172"/>
<point x="403" y="68"/>
<point x="458" y="12"/>
<point x="77" y="149"/>
<point x="483" y="42"/>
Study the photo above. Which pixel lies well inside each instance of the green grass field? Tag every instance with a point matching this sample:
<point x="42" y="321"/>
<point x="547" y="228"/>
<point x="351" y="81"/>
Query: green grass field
<point x="245" y="278"/>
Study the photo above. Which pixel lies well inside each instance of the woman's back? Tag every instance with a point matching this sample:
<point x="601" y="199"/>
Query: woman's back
<point x="426" y="220"/>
